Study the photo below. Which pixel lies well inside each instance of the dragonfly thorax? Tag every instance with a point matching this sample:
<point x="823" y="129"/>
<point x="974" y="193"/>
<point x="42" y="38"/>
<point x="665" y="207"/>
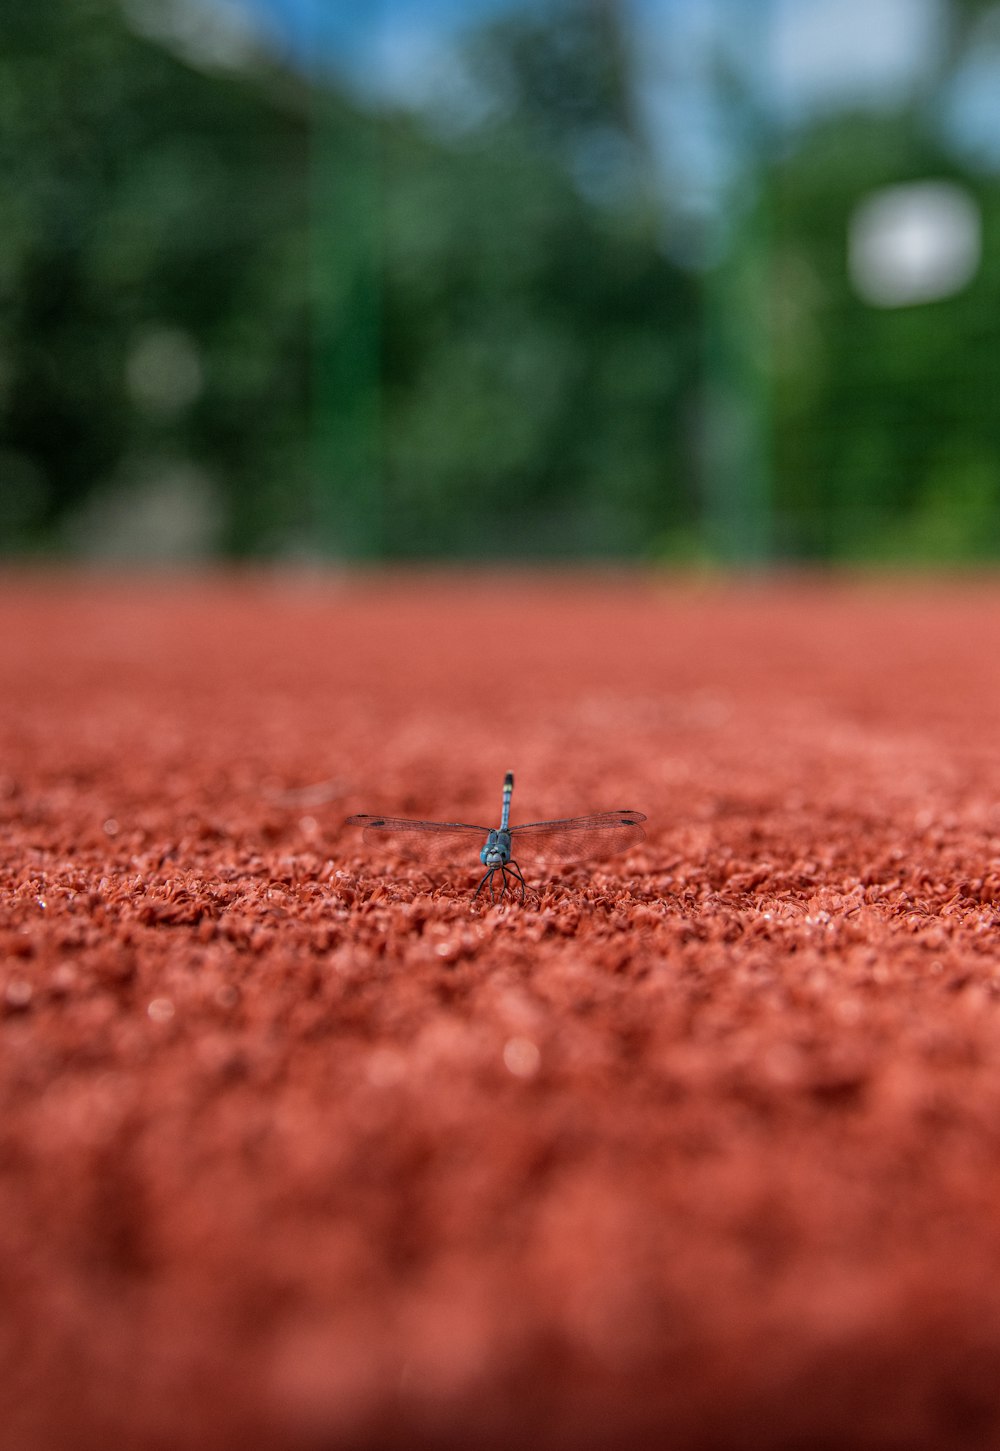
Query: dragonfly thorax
<point x="496" y="852"/>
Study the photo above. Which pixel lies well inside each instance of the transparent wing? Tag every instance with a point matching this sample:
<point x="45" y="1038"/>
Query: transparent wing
<point x="430" y="841"/>
<point x="578" y="837"/>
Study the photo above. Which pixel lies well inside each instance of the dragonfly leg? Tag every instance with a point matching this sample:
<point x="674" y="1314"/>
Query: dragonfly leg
<point x="515" y="870"/>
<point x="505" y="884"/>
<point x="487" y="878"/>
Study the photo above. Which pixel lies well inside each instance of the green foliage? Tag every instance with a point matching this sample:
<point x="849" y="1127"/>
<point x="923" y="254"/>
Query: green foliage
<point x="149" y="201"/>
<point x="537" y="357"/>
<point x="885" y="433"/>
<point x="537" y="348"/>
<point x="492" y="360"/>
<point x="239" y="314"/>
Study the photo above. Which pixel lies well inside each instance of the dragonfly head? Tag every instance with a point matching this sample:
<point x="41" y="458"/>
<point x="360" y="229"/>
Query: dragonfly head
<point x="496" y="852"/>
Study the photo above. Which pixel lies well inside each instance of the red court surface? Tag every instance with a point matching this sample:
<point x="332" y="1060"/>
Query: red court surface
<point x="301" y="1150"/>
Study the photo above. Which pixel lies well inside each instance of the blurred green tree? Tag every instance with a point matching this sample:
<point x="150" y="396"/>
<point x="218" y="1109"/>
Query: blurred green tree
<point x="538" y="347"/>
<point x="165" y="293"/>
<point x="242" y="313"/>
<point x="885" y="435"/>
<point x="152" y="277"/>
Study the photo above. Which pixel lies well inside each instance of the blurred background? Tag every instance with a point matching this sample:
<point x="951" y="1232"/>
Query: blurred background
<point x="688" y="281"/>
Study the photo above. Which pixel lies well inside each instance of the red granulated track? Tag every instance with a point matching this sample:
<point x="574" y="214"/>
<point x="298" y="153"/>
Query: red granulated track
<point x="301" y="1151"/>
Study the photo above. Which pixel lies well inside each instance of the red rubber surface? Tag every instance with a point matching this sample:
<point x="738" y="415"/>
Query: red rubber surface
<point x="699" y="1149"/>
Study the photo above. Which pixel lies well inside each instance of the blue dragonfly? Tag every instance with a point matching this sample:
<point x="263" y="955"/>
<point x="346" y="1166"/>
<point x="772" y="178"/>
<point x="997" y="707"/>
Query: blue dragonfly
<point x="571" y="839"/>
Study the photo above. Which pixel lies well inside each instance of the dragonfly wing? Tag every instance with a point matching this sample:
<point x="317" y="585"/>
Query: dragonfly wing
<point x="578" y="837"/>
<point x="429" y="841"/>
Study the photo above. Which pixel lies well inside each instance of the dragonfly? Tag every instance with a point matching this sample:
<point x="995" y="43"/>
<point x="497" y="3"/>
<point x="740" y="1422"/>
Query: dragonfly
<point x="571" y="839"/>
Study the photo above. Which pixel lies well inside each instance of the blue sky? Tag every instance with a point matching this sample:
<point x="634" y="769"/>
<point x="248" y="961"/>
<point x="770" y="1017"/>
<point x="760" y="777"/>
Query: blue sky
<point x="358" y="33"/>
<point x="811" y="54"/>
<point x="817" y="47"/>
<point x="808" y="56"/>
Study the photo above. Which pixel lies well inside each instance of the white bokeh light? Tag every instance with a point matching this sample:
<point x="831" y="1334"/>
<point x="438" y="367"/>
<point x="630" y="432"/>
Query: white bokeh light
<point x="914" y="243"/>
